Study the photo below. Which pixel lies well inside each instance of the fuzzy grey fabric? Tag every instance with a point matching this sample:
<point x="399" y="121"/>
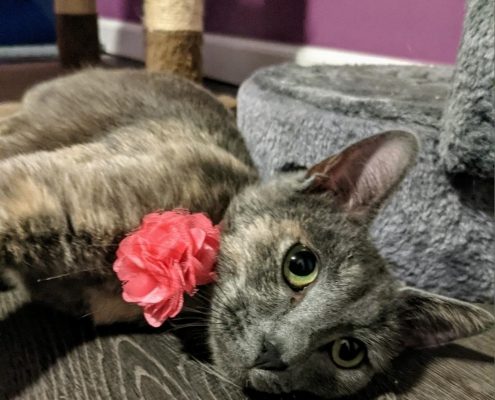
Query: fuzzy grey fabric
<point x="467" y="141"/>
<point x="438" y="235"/>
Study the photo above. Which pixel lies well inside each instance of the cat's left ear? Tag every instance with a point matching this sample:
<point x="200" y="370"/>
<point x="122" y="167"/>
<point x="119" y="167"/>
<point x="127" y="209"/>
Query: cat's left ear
<point x="429" y="320"/>
<point x="362" y="176"/>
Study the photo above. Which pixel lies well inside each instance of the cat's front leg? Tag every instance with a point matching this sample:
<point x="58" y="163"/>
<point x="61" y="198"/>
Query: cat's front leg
<point x="62" y="257"/>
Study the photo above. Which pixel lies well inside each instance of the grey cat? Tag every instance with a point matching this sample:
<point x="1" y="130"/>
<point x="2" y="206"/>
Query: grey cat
<point x="303" y="301"/>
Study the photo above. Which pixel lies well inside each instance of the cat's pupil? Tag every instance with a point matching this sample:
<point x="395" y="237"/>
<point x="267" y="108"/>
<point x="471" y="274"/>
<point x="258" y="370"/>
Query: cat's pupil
<point x="302" y="263"/>
<point x="348" y="349"/>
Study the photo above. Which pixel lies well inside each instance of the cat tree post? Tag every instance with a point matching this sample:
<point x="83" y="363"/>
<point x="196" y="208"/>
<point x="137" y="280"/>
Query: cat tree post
<point x="174" y="35"/>
<point x="77" y="32"/>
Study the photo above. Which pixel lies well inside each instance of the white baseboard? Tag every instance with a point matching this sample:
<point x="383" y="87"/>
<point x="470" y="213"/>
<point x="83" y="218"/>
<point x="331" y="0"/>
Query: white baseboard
<point x="123" y="39"/>
<point x="232" y="59"/>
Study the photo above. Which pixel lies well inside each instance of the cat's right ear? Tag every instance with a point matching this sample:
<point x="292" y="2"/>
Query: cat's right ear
<point x="429" y="320"/>
<point x="362" y="176"/>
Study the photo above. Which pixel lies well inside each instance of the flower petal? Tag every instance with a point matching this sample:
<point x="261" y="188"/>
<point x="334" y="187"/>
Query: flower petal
<point x="139" y="286"/>
<point x="198" y="237"/>
<point x="169" y="254"/>
<point x="157" y="314"/>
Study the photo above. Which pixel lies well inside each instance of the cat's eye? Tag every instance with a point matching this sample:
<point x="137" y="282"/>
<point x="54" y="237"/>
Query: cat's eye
<point x="300" y="267"/>
<point x="348" y="352"/>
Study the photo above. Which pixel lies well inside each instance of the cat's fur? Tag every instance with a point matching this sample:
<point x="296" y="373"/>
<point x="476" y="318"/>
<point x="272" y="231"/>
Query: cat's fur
<point x="89" y="155"/>
<point x="94" y="153"/>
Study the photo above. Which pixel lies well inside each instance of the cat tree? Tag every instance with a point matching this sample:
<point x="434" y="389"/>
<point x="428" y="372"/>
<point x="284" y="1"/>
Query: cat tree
<point x="174" y="34"/>
<point x="77" y="33"/>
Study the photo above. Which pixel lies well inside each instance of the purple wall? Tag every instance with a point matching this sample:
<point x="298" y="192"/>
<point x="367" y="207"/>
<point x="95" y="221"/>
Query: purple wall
<point x="124" y="10"/>
<point x="419" y="29"/>
<point x="427" y="30"/>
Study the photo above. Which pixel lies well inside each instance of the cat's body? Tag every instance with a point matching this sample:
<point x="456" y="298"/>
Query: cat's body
<point x="93" y="155"/>
<point x="303" y="300"/>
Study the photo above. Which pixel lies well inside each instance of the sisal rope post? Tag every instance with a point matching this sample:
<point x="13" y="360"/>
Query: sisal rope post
<point x="174" y="35"/>
<point x="77" y="33"/>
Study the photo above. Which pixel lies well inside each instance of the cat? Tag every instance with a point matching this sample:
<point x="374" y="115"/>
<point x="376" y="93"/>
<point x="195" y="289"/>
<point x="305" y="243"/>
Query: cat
<point x="303" y="300"/>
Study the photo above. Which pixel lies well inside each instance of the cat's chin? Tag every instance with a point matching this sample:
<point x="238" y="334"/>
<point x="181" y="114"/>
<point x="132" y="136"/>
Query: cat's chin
<point x="268" y="381"/>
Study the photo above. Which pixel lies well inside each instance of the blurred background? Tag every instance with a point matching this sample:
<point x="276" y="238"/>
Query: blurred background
<point x="243" y="35"/>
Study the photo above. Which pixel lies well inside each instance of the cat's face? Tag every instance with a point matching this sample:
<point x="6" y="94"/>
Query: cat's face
<point x="349" y="295"/>
<point x="303" y="301"/>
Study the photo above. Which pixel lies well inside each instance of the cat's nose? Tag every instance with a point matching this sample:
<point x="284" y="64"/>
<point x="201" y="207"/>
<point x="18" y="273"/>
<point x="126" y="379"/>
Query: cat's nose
<point x="270" y="358"/>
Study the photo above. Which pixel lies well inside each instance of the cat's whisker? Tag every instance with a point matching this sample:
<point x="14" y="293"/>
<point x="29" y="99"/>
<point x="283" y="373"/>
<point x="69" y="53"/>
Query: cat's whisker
<point x="204" y="303"/>
<point x="203" y="296"/>
<point x="205" y="320"/>
<point x="208" y="313"/>
<point x="212" y="371"/>
<point x="220" y="306"/>
<point x="50" y="278"/>
<point x="187" y="326"/>
<point x="221" y="295"/>
<point x="86" y="315"/>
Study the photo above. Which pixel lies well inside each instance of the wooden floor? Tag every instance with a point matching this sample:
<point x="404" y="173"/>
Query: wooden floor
<point x="45" y="355"/>
<point x="15" y="79"/>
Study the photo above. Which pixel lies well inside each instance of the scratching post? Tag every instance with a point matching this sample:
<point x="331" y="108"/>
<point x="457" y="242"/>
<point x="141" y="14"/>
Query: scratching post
<point x="174" y="36"/>
<point x="77" y="32"/>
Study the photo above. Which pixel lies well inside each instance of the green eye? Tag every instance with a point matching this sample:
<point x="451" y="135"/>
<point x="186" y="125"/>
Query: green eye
<point x="348" y="352"/>
<point x="300" y="267"/>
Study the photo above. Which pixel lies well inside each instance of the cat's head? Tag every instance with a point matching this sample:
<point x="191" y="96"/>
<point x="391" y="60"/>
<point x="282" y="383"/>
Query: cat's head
<point x="304" y="302"/>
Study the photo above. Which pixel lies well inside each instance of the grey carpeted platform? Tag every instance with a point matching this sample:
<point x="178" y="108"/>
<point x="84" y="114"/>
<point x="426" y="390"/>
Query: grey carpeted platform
<point x="467" y="141"/>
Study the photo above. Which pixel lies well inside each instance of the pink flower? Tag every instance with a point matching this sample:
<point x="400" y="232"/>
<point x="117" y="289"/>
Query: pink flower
<point x="168" y="255"/>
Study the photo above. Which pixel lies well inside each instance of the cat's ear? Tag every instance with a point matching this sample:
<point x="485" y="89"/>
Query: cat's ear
<point x="428" y="319"/>
<point x="364" y="174"/>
